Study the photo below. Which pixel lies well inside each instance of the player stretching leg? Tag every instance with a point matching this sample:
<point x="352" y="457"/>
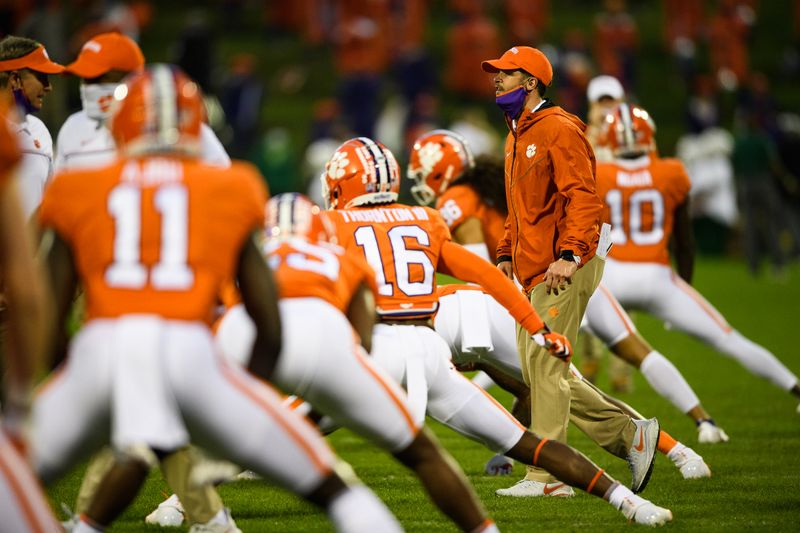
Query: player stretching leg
<point x="647" y="200"/>
<point x="152" y="238"/>
<point x="406" y="246"/>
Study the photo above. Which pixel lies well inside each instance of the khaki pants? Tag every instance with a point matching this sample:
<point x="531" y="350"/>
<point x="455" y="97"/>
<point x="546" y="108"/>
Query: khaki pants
<point x="556" y="395"/>
<point x="201" y="504"/>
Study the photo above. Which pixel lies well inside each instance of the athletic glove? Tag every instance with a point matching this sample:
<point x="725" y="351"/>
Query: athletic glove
<point x="555" y="343"/>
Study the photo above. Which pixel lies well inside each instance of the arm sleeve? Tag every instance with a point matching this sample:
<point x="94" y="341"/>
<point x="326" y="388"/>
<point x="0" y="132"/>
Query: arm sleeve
<point x="574" y="178"/>
<point x="455" y="261"/>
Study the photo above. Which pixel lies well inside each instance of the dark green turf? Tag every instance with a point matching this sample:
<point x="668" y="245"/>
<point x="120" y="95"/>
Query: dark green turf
<point x="755" y="482"/>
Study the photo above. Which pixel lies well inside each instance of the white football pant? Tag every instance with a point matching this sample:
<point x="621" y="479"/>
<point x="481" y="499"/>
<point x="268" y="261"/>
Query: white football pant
<point x="151" y="383"/>
<point x="659" y="291"/>
<point x="418" y="358"/>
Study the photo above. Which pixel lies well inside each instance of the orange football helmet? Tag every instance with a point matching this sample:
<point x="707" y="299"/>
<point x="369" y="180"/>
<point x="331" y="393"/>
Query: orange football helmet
<point x="628" y="131"/>
<point x="437" y="158"/>
<point x="360" y="172"/>
<point x="157" y="111"/>
<point x="292" y="215"/>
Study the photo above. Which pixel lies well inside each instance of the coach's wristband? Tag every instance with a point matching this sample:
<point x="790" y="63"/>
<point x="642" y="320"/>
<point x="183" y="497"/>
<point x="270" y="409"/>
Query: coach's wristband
<point x="569" y="255"/>
<point x="502" y="258"/>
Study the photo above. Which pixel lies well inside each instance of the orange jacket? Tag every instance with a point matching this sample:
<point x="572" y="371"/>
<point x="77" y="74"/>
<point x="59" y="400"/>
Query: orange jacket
<point x="550" y="188"/>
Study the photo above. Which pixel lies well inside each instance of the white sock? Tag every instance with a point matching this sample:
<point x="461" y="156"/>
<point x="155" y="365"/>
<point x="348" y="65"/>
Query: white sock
<point x="756" y="359"/>
<point x="666" y="380"/>
<point x="358" y="510"/>
<point x="84" y="527"/>
<point x="487" y="527"/>
<point x="620" y="495"/>
<point x="672" y="455"/>
<point x="482" y="380"/>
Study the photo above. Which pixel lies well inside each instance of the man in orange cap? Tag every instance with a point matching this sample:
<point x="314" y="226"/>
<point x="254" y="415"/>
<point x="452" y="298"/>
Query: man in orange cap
<point x="83" y="140"/>
<point x="24" y="67"/>
<point x="553" y="245"/>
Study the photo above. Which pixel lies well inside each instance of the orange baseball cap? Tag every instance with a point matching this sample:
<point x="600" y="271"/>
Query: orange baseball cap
<point x="105" y="52"/>
<point x="529" y="59"/>
<point x="37" y="60"/>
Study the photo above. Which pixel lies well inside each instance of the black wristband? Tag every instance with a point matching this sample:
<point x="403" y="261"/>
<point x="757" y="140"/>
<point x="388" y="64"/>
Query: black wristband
<point x="502" y="258"/>
<point x="567" y="255"/>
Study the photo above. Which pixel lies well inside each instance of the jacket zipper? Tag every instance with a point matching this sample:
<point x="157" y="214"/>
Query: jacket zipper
<point x="513" y="205"/>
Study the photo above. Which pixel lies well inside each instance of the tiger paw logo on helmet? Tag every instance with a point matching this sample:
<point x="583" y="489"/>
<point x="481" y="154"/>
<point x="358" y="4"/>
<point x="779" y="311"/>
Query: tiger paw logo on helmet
<point x="337" y="165"/>
<point x="360" y="172"/>
<point x="430" y="154"/>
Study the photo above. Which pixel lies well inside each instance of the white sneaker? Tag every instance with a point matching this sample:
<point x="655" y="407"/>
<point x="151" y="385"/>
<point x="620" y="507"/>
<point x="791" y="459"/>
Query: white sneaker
<point x="527" y="488"/>
<point x="709" y="433"/>
<point x="246" y="475"/>
<point x="499" y="465"/>
<point x="169" y="513"/>
<point x="642" y="453"/>
<point x="221" y="523"/>
<point x="645" y="513"/>
<point x="689" y="463"/>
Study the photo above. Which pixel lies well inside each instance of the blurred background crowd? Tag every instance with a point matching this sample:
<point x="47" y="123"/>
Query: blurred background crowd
<point x="286" y="82"/>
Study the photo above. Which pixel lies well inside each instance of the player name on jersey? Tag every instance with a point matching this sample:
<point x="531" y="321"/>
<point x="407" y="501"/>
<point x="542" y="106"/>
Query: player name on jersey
<point x="385" y="214"/>
<point x="634" y="179"/>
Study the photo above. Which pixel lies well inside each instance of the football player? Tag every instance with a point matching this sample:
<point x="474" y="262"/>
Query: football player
<point x="472" y="201"/>
<point x="406" y="246"/>
<point x="151" y="238"/>
<point x="23" y="506"/>
<point x="84" y="141"/>
<point x="647" y="200"/>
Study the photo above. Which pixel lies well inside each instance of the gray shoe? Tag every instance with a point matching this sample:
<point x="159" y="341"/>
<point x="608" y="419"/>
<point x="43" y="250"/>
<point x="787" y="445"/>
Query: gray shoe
<point x="642" y="453"/>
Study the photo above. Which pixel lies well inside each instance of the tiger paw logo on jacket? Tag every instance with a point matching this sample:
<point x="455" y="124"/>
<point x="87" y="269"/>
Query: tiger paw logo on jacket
<point x="530" y="151"/>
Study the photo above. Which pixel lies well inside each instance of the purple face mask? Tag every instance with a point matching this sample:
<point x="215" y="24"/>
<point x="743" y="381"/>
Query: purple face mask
<point x="23" y="104"/>
<point x="511" y="102"/>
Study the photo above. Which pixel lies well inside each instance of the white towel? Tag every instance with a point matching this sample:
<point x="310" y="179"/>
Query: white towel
<point x="475" y="330"/>
<point x="416" y="387"/>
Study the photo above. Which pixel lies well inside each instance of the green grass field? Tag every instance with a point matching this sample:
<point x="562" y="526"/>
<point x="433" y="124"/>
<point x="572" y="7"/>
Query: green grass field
<point x="755" y="476"/>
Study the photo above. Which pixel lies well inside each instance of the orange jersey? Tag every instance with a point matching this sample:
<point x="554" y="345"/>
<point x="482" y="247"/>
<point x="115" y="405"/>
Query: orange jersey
<point x="460" y="202"/>
<point x="452" y="288"/>
<point x="318" y="270"/>
<point x="640" y="198"/>
<point x="155" y="236"/>
<point x="402" y="244"/>
<point x="406" y="246"/>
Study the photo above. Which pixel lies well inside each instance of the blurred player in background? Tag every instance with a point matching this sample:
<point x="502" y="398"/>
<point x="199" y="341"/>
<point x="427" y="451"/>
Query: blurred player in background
<point x="24" y="70"/>
<point x="471" y="198"/>
<point x="406" y="246"/>
<point x="152" y="238"/>
<point x="85" y="142"/>
<point x="23" y="506"/>
<point x="603" y="93"/>
<point x="646" y="199"/>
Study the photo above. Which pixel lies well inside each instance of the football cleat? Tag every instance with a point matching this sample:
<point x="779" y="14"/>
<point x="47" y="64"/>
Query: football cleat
<point x="642" y="453"/>
<point x="709" y="433"/>
<point x="169" y="513"/>
<point x="645" y="512"/>
<point x="499" y="465"/>
<point x="689" y="463"/>
<point x="527" y="488"/>
<point x="221" y="523"/>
